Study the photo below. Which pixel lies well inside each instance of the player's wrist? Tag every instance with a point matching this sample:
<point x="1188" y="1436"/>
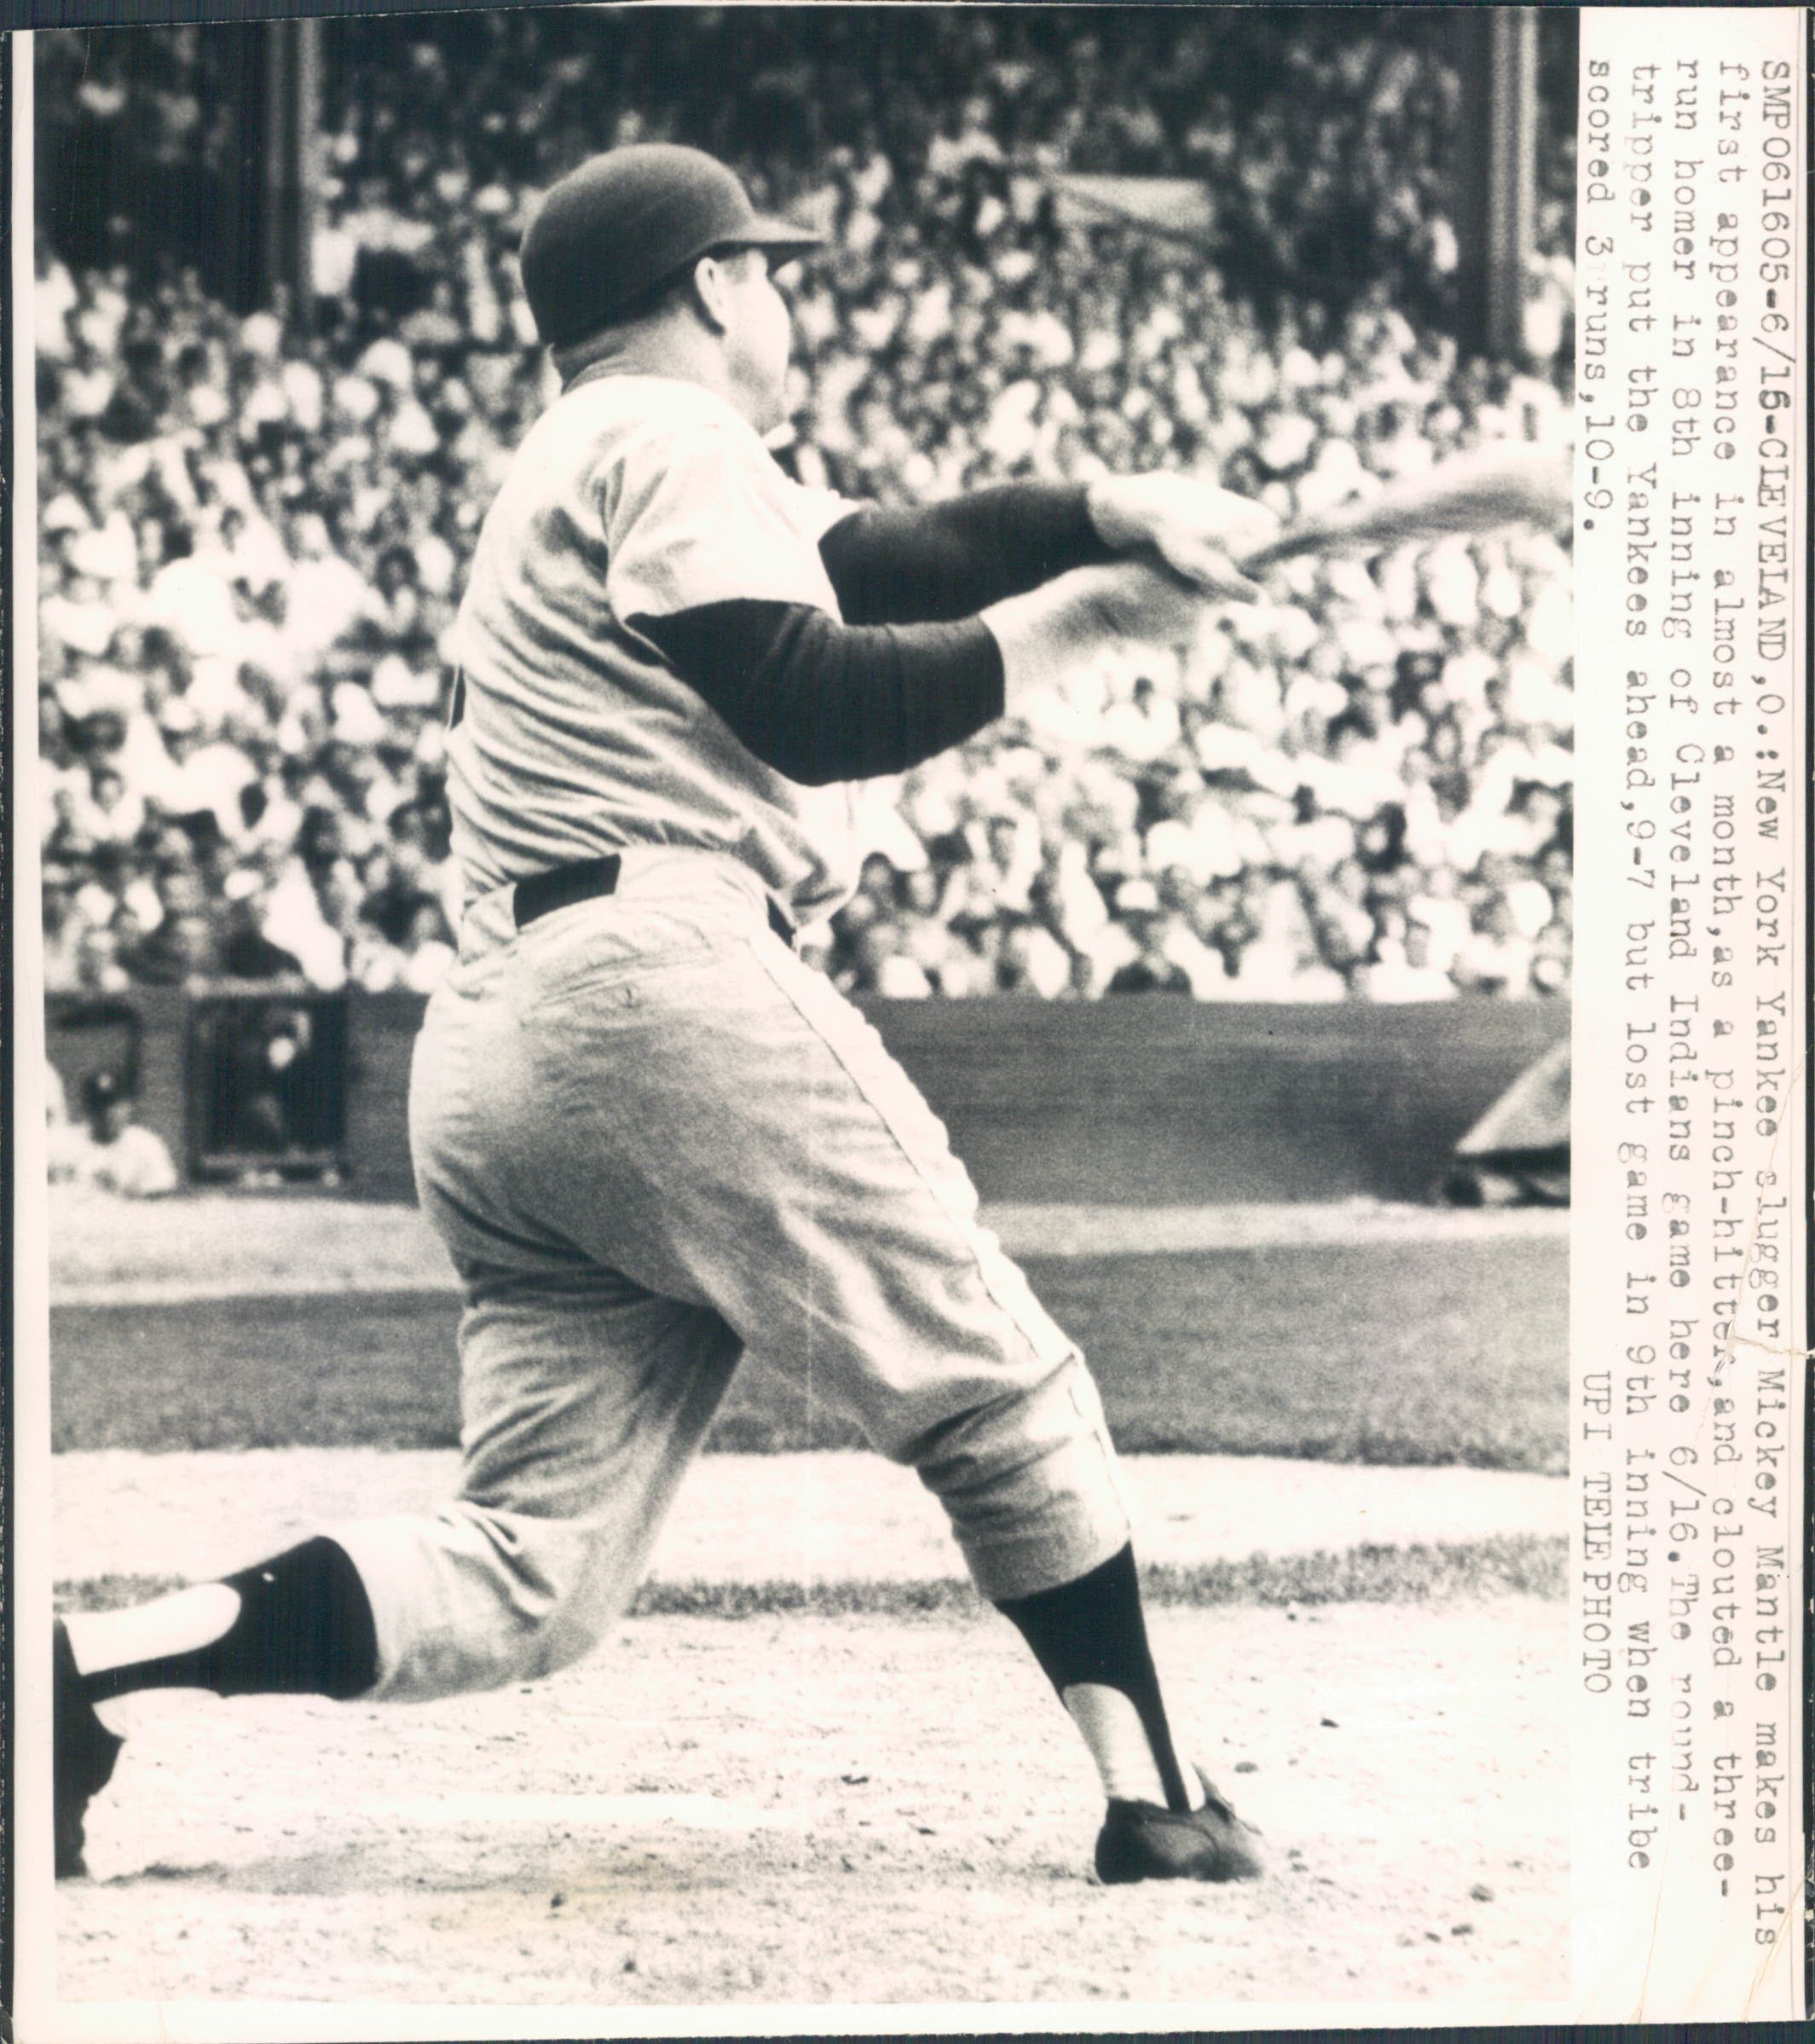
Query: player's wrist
<point x="1112" y="506"/>
<point x="1030" y="633"/>
<point x="1045" y="631"/>
<point x="1198" y="529"/>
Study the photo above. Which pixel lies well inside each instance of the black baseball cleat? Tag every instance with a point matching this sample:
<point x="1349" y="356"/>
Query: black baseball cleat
<point x="83" y="1751"/>
<point x="1147" y="1842"/>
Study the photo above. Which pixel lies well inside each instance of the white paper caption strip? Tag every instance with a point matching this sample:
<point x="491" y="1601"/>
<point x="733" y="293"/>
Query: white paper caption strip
<point x="1687" y="1323"/>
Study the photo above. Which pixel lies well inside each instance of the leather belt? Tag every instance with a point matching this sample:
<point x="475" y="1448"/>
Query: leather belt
<point x="586" y="880"/>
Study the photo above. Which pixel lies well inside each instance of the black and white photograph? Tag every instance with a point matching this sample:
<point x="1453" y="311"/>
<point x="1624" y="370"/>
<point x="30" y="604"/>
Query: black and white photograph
<point x="799" y="1051"/>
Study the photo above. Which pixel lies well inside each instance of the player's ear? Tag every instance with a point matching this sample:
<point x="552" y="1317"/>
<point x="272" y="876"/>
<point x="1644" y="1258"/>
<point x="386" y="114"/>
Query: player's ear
<point x="711" y="290"/>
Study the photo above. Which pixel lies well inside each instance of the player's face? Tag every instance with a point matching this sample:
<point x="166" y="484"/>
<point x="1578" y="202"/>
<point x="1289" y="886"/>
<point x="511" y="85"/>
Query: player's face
<point x="757" y="337"/>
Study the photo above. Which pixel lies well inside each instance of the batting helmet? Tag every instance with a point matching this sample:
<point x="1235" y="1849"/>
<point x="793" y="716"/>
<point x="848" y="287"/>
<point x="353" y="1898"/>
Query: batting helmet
<point x="608" y="233"/>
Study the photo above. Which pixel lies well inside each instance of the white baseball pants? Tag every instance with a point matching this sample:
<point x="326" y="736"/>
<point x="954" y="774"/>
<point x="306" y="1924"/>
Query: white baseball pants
<point x="651" y="1138"/>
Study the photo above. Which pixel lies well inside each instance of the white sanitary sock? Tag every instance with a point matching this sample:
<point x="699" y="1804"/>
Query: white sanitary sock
<point x="183" y="1622"/>
<point x="1111" y="1728"/>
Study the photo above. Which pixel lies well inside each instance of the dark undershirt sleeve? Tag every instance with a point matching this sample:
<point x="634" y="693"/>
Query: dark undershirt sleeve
<point x="941" y="561"/>
<point x="820" y="701"/>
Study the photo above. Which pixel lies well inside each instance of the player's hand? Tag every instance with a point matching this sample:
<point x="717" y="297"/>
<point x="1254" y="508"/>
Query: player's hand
<point x="1045" y="632"/>
<point x="1138" y="599"/>
<point x="1197" y="529"/>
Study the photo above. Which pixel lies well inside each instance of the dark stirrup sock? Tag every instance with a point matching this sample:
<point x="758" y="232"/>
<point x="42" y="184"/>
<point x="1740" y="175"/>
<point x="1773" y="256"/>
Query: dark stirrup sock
<point x="1092" y="1631"/>
<point x="304" y="1628"/>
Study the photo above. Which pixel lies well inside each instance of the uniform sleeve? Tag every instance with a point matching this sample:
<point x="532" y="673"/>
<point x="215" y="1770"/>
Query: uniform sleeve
<point x="940" y="561"/>
<point x="819" y="510"/>
<point x="821" y="701"/>
<point x="696" y="512"/>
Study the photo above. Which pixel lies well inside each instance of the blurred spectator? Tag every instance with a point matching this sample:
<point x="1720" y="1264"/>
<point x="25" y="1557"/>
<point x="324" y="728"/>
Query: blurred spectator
<point x="56" y="1100"/>
<point x="182" y="947"/>
<point x="245" y="952"/>
<point x="108" y="1151"/>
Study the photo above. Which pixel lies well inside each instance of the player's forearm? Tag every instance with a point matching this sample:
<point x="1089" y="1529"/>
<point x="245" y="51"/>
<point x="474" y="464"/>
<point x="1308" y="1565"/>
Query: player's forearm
<point x="822" y="701"/>
<point x="1042" y="634"/>
<point x="937" y="562"/>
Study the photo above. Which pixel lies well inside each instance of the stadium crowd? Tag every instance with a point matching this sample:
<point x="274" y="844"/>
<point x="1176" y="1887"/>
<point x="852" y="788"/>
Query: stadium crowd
<point x="253" y="529"/>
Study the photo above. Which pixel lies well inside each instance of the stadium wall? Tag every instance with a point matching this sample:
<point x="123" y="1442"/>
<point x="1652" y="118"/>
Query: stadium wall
<point x="1147" y="1101"/>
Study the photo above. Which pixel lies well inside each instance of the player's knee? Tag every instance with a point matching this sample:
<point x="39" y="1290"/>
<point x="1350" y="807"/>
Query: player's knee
<point x="564" y="1597"/>
<point x="1003" y="1435"/>
<point x="546" y="1649"/>
<point x="565" y="1635"/>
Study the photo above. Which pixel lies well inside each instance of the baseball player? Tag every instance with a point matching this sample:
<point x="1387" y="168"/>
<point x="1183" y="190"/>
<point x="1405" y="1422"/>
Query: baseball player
<point x="648" y="1135"/>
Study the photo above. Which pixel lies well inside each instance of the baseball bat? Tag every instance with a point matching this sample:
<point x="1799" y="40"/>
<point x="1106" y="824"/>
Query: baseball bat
<point x="1474" y="493"/>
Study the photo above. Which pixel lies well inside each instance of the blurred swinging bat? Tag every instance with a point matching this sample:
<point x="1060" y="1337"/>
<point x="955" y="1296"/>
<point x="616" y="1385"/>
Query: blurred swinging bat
<point x="1476" y="492"/>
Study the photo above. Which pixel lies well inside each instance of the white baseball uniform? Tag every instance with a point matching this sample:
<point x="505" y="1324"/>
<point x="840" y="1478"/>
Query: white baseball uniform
<point x="649" y="1134"/>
